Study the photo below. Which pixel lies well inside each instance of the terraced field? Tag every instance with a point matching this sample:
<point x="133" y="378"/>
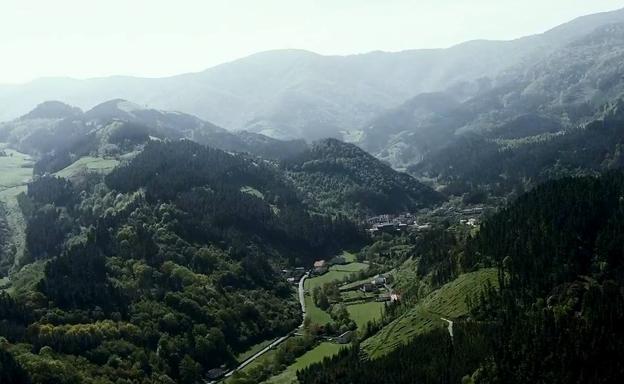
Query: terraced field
<point x="449" y="301"/>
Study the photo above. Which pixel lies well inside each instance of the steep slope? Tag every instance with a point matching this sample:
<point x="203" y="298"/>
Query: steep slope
<point x="342" y="178"/>
<point x="296" y="94"/>
<point x="512" y="165"/>
<point x="555" y="315"/>
<point x="526" y="104"/>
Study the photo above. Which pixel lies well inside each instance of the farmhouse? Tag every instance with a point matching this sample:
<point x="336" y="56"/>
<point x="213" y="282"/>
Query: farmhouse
<point x="378" y="281"/>
<point x="320" y="267"/>
<point x="344" y="338"/>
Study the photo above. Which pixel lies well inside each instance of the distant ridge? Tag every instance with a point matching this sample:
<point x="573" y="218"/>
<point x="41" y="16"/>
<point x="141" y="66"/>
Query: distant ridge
<point x="300" y="94"/>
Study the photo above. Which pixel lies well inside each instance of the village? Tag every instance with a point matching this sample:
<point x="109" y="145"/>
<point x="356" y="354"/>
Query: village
<point x="406" y="222"/>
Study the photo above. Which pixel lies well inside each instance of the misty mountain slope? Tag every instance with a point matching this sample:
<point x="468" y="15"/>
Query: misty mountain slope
<point x="342" y="178"/>
<point x="293" y="93"/>
<point x="60" y="134"/>
<point x="564" y="89"/>
<point x="512" y="165"/>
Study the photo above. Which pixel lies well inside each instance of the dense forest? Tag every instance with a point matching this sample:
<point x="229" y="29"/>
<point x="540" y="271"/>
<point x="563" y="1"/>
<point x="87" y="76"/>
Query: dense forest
<point x="164" y="269"/>
<point x="557" y="314"/>
<point x="342" y="178"/>
<point x="510" y="165"/>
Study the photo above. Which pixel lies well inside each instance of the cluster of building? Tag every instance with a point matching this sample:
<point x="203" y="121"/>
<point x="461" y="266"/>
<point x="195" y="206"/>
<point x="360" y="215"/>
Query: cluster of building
<point x="395" y="223"/>
<point x="379" y="284"/>
<point x="471" y="222"/>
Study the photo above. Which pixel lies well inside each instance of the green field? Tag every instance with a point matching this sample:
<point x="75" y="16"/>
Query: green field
<point x="252" y="350"/>
<point x="315" y="355"/>
<point x="349" y="256"/>
<point x="335" y="273"/>
<point x="316" y="315"/>
<point x="88" y="164"/>
<point x="449" y="301"/>
<point x="365" y="312"/>
<point x="16" y="170"/>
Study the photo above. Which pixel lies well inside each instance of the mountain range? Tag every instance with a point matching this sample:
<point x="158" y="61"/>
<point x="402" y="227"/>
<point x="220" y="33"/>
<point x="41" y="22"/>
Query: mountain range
<point x="300" y="94"/>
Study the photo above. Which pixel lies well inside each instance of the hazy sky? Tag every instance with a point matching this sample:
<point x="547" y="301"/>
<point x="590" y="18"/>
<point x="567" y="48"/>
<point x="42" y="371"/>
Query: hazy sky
<point x="86" y="38"/>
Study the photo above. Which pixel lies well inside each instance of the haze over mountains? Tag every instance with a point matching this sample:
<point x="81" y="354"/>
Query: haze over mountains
<point x="252" y="224"/>
<point x="299" y="94"/>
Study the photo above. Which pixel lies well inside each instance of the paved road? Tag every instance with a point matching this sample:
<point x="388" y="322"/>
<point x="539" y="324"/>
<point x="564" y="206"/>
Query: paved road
<point x="302" y="298"/>
<point x="450" y="326"/>
<point x="276" y="342"/>
<point x="260" y="353"/>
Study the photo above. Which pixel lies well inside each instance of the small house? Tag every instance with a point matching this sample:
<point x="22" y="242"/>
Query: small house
<point x="320" y="267"/>
<point x="379" y="281"/>
<point x="344" y="338"/>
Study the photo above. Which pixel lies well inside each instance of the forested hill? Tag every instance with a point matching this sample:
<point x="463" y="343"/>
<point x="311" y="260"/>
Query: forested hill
<point x="342" y="178"/>
<point x="165" y="270"/>
<point x="547" y="95"/>
<point x="501" y="166"/>
<point x="232" y="196"/>
<point x="59" y="134"/>
<point x="557" y="316"/>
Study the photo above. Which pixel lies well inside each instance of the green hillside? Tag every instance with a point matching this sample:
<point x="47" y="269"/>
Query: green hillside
<point x="88" y="164"/>
<point x="343" y="179"/>
<point x="449" y="302"/>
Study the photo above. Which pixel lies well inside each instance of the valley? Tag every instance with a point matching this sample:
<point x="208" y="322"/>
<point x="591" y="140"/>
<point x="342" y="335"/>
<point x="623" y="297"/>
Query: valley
<point x="445" y="215"/>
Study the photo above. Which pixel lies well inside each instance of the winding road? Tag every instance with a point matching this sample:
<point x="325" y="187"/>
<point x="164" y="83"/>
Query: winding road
<point x="450" y="326"/>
